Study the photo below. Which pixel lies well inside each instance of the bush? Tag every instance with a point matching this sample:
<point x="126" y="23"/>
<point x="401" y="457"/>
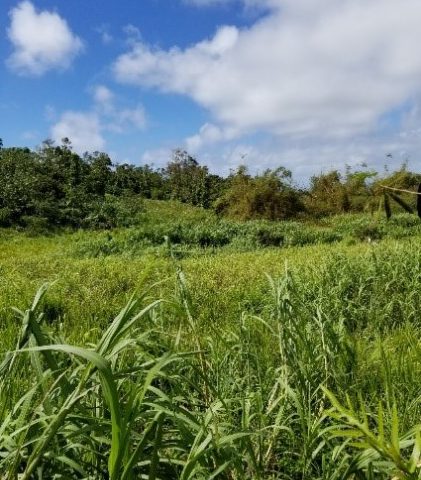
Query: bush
<point x="6" y="217"/>
<point x="112" y="212"/>
<point x="269" y="238"/>
<point x="36" y="225"/>
<point x="368" y="233"/>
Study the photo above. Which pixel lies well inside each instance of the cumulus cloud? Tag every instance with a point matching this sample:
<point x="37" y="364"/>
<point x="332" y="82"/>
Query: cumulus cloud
<point x="129" y="117"/>
<point x="156" y="68"/>
<point x="132" y="33"/>
<point x="42" y="41"/>
<point x="87" y="129"/>
<point x="103" y="96"/>
<point x="158" y="157"/>
<point x="208" y="135"/>
<point x="117" y="118"/>
<point x="312" y="158"/>
<point x="84" y="129"/>
<point x="399" y="142"/>
<point x="319" y="68"/>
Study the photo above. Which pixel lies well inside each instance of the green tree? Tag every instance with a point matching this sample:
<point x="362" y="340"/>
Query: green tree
<point x="187" y="180"/>
<point x="17" y="182"/>
<point x="142" y="180"/>
<point x="268" y="196"/>
<point x="99" y="179"/>
<point x="327" y="195"/>
<point x="126" y="180"/>
<point x="59" y="195"/>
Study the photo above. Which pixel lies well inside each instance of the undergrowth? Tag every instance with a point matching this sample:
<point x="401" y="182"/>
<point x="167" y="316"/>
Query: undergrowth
<point x="264" y="351"/>
<point x="155" y="397"/>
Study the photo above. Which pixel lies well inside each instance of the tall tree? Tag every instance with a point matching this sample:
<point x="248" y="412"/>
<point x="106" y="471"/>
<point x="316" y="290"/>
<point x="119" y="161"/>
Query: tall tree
<point x="99" y="178"/>
<point x="187" y="180"/>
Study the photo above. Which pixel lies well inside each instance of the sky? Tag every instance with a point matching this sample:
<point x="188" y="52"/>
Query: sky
<point x="311" y="85"/>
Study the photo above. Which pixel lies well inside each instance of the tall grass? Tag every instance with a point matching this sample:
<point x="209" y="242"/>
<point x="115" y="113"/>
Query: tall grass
<point x="299" y="361"/>
<point x="252" y="401"/>
<point x="200" y="229"/>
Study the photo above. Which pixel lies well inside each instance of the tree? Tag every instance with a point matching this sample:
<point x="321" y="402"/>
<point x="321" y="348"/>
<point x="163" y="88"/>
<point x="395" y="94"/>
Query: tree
<point x="126" y="180"/>
<point x="99" y="177"/>
<point x="187" y="180"/>
<point x="401" y="178"/>
<point x="269" y="196"/>
<point x="152" y="182"/>
<point x="17" y="182"/>
<point x="327" y="195"/>
<point x="59" y="195"/>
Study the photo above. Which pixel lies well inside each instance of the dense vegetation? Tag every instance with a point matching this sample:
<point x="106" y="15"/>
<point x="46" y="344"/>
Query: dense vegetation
<point x="212" y="369"/>
<point x="54" y="187"/>
<point x="242" y="350"/>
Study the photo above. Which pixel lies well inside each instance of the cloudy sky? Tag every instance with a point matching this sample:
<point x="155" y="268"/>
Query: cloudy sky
<point x="307" y="84"/>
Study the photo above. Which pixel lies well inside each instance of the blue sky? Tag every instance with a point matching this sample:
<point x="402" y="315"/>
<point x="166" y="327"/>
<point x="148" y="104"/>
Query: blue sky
<point x="310" y="85"/>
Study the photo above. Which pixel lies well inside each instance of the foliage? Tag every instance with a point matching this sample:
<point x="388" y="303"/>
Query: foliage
<point x="382" y="454"/>
<point x="189" y="182"/>
<point x="327" y="194"/>
<point x="54" y="187"/>
<point x="260" y="349"/>
<point x="269" y="196"/>
<point x="333" y="193"/>
<point x="216" y="369"/>
<point x="17" y="181"/>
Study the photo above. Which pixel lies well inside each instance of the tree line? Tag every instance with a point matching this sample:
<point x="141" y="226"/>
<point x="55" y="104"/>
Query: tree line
<point x="53" y="186"/>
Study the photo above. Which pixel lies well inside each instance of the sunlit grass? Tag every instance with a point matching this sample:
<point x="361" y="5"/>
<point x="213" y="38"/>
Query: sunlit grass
<point x="222" y="364"/>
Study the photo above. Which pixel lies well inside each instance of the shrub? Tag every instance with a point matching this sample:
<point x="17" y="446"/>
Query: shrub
<point x="269" y="238"/>
<point x="368" y="233"/>
<point x="6" y="217"/>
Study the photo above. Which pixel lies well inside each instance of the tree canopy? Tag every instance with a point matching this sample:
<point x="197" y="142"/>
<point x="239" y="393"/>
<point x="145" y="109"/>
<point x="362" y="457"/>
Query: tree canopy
<point x="53" y="186"/>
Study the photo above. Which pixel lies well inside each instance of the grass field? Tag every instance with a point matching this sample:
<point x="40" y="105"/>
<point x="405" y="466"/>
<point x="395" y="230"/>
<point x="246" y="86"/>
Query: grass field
<point x="242" y="351"/>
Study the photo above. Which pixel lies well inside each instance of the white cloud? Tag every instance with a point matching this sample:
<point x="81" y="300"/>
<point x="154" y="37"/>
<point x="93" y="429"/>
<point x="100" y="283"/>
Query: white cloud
<point x="87" y="129"/>
<point x="208" y="135"/>
<point x="312" y="156"/>
<point x="103" y="31"/>
<point x="82" y="128"/>
<point x="122" y="120"/>
<point x="306" y="158"/>
<point x="156" y="68"/>
<point x="50" y="113"/>
<point x="106" y="38"/>
<point x="134" y="117"/>
<point x="310" y="69"/>
<point x="117" y="118"/>
<point x="132" y="33"/>
<point x="42" y="41"/>
<point x="158" y="157"/>
<point x="103" y="96"/>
